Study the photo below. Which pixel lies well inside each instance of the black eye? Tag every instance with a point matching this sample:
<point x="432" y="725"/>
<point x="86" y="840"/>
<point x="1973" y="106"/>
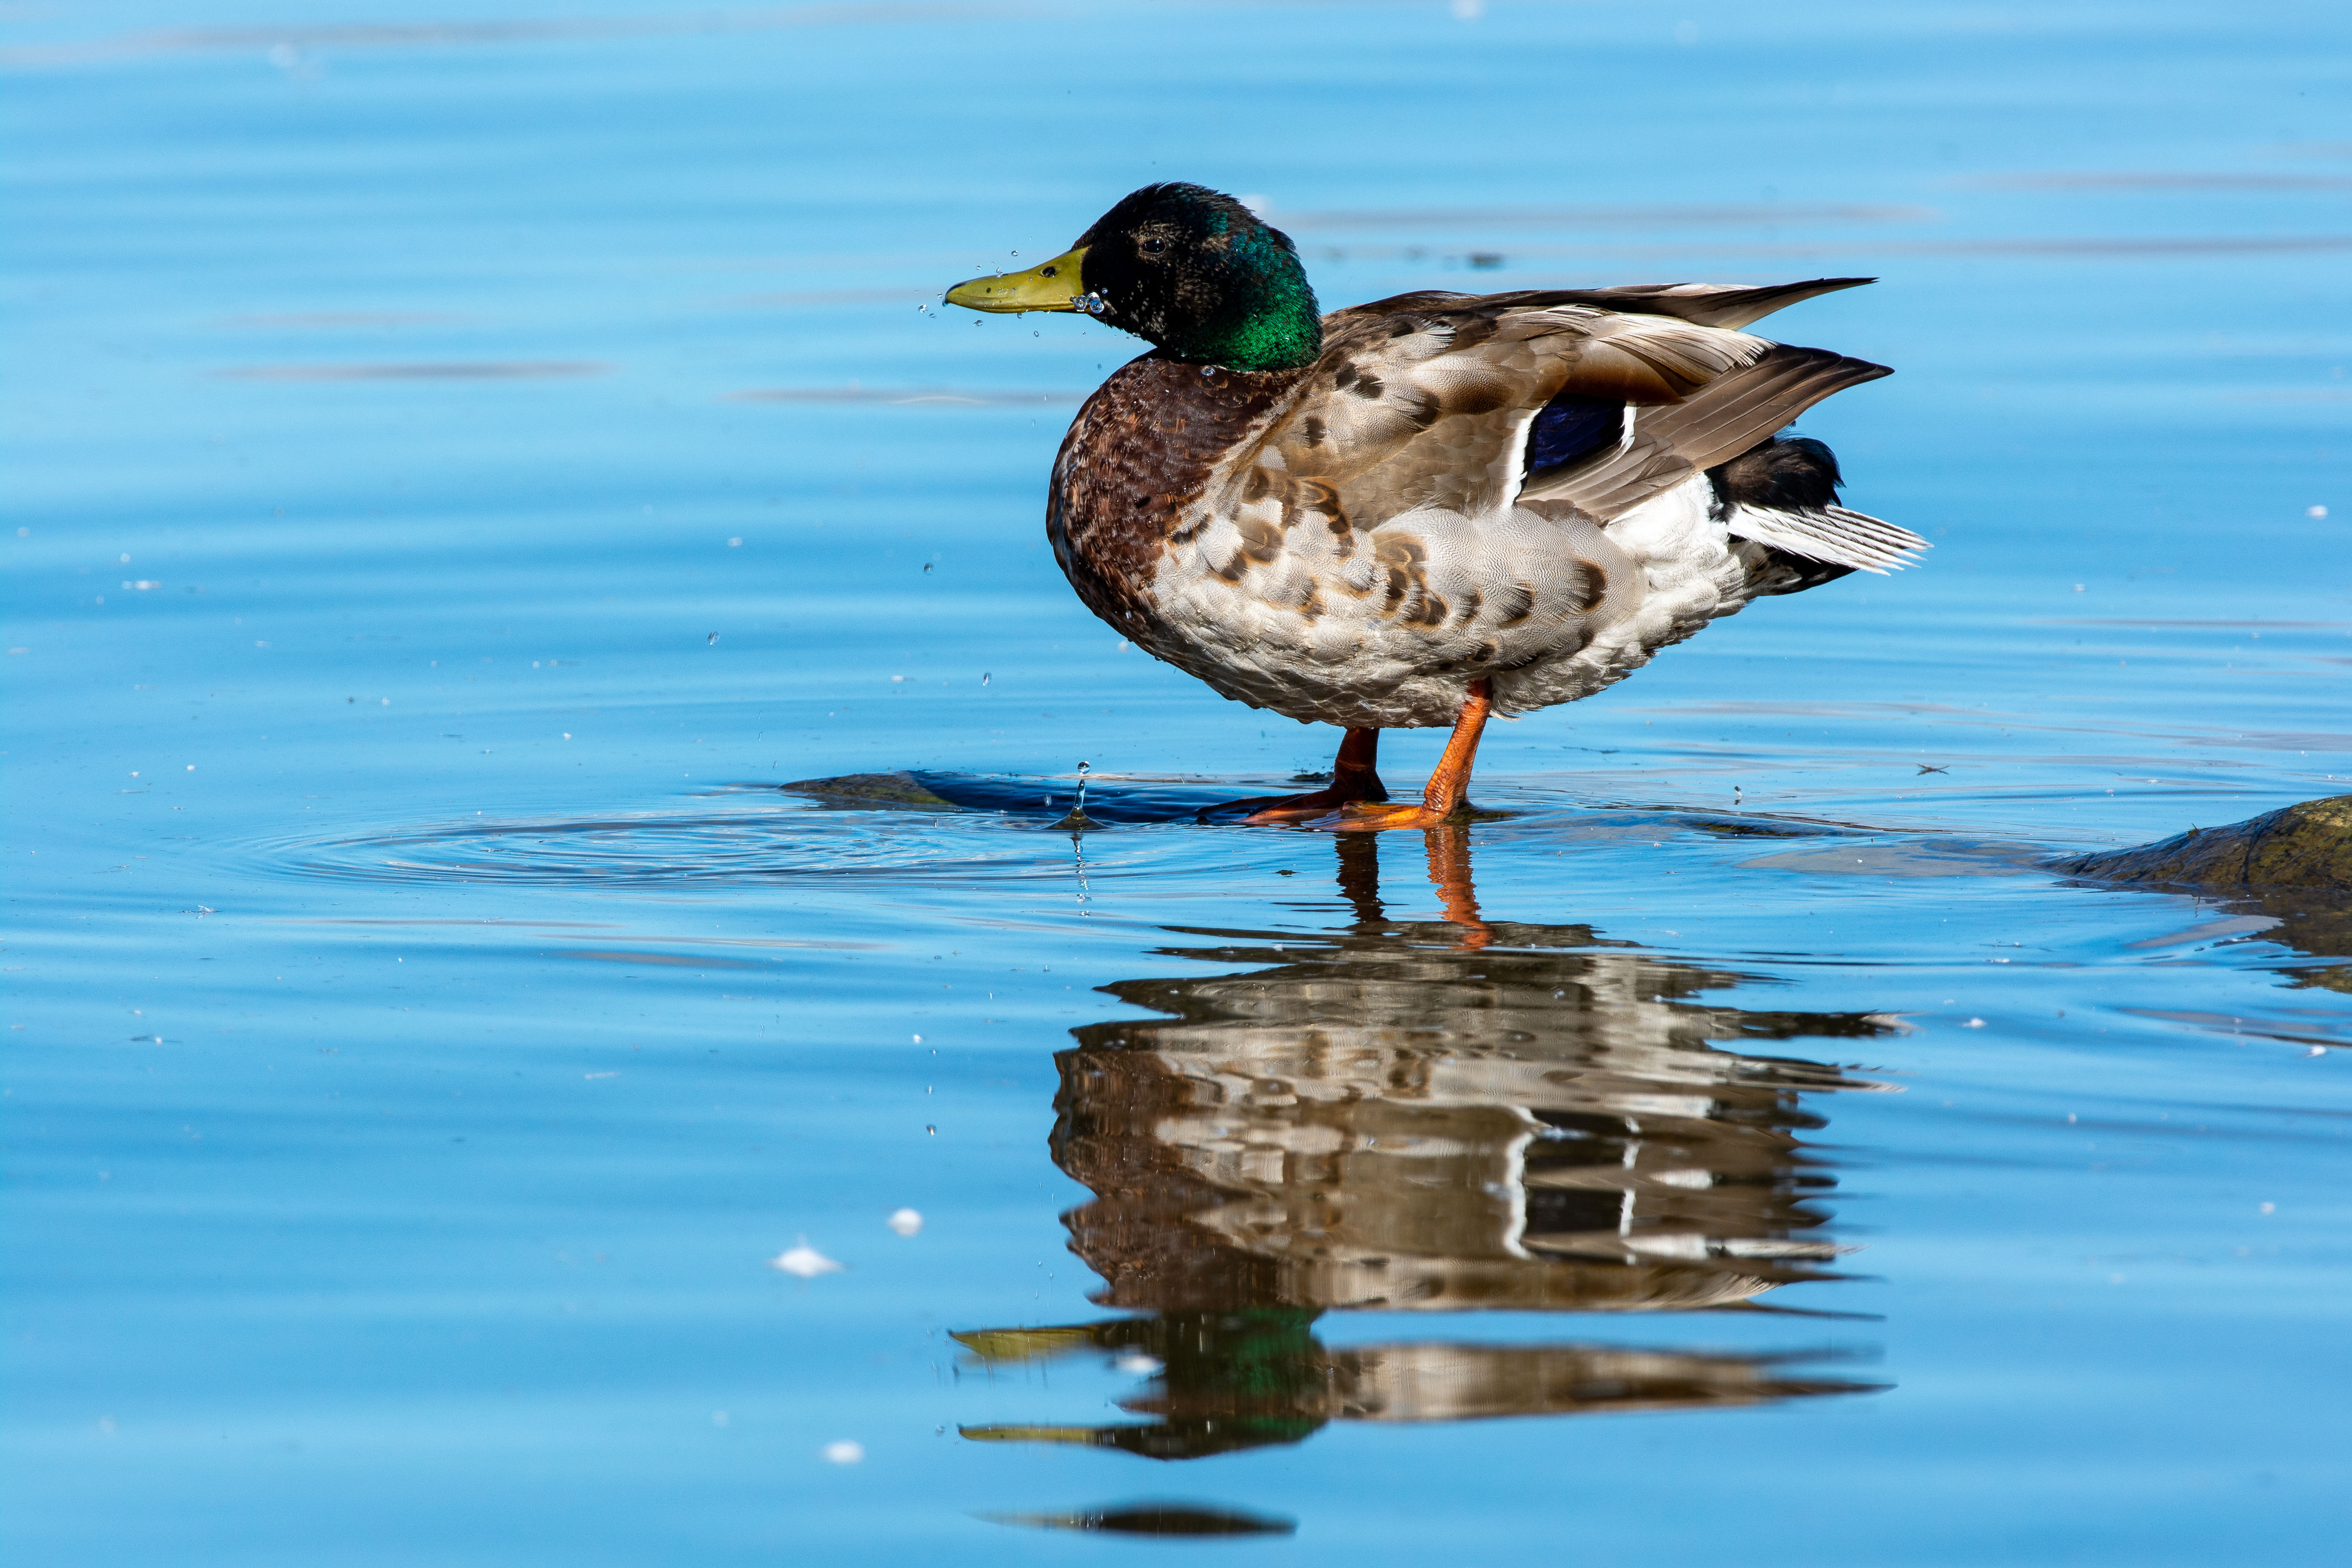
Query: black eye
<point x="1044" y="272"/>
<point x="1154" y="247"/>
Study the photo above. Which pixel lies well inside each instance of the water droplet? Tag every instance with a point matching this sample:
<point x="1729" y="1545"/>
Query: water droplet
<point x="710" y="640"/>
<point x="984" y="677"/>
<point x="906" y="1222"/>
<point x="844" y="1453"/>
<point x="804" y="1262"/>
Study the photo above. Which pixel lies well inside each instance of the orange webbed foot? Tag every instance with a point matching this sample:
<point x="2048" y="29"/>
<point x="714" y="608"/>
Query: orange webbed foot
<point x="1371" y="817"/>
<point x="1354" y="781"/>
<point x="1266" y="809"/>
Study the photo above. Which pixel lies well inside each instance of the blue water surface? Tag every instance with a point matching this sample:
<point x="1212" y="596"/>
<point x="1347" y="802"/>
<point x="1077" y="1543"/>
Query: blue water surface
<point x="461" y="460"/>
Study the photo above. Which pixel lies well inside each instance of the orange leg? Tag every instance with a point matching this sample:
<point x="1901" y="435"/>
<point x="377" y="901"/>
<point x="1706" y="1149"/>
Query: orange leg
<point x="1354" y="779"/>
<point x="1448" y="794"/>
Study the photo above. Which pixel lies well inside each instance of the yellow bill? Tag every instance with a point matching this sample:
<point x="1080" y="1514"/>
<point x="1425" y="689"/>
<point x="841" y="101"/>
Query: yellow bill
<point x="1083" y="1437"/>
<point x="1049" y="286"/>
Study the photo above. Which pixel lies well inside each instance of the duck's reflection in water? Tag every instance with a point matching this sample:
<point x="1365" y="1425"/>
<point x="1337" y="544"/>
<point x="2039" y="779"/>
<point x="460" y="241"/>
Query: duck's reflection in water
<point x="1443" y="1116"/>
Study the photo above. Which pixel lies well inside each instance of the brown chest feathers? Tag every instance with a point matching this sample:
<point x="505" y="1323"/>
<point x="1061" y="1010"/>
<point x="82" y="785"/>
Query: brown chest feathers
<point x="1141" y="449"/>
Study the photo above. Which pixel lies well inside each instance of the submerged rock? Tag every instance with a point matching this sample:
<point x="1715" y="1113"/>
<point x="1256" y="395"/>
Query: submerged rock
<point x="2303" y="846"/>
<point x="2293" y="865"/>
<point x="901" y="788"/>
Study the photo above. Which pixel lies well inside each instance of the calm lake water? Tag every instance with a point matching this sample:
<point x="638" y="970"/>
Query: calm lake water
<point x="461" y="458"/>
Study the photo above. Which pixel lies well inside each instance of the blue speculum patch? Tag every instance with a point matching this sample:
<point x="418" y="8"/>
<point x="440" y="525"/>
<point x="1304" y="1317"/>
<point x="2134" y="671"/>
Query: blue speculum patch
<point x="1569" y="427"/>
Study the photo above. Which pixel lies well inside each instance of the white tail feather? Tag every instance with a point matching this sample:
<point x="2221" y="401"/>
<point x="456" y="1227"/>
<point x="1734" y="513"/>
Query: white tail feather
<point x="1833" y="534"/>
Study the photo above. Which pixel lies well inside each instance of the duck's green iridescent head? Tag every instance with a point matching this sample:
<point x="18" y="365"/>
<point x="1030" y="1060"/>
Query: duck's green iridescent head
<point x="1182" y="267"/>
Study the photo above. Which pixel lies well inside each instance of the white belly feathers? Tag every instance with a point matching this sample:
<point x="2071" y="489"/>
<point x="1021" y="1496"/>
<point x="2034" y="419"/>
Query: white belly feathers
<point x="1388" y="627"/>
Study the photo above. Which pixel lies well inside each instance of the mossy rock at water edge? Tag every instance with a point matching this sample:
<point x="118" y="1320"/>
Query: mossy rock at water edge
<point x="2293" y="865"/>
<point x="2303" y="846"/>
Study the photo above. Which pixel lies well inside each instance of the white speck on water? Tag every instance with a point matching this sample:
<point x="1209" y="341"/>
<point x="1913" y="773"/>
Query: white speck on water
<point x="919" y="1039"/>
<point x="895" y="679"/>
<point x="844" y="1452"/>
<point x="735" y="543"/>
<point x="1135" y="1364"/>
<point x="2307" y="512"/>
<point x="719" y="1418"/>
<point x="2270" y="1208"/>
<point x="1973" y="1024"/>
<point x="804" y="1262"/>
<point x="2316" y="1051"/>
<point x="906" y="1222"/>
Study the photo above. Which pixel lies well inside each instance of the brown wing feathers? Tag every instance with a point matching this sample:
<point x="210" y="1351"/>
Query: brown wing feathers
<point x="1701" y="304"/>
<point x="1417" y="400"/>
<point x="1713" y="425"/>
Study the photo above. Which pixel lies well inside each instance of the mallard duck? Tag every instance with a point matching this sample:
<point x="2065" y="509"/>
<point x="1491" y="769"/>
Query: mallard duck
<point x="1432" y="508"/>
